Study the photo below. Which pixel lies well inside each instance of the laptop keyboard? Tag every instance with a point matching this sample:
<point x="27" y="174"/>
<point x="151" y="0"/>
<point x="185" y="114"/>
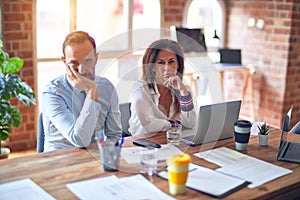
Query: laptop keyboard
<point x="293" y="151"/>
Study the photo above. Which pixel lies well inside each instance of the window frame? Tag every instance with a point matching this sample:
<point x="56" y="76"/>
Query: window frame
<point x="223" y="24"/>
<point x="129" y="11"/>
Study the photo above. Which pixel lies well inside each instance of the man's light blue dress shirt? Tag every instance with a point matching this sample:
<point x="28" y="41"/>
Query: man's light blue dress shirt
<point x="71" y="119"/>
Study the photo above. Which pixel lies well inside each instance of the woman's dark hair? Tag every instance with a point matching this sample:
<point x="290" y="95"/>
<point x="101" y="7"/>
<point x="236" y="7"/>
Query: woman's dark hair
<point x="149" y="59"/>
<point x="78" y="37"/>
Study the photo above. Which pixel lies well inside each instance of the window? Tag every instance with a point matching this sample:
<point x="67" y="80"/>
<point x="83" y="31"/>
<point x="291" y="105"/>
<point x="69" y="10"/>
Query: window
<point x="207" y="15"/>
<point x="103" y="19"/>
<point x="52" y="27"/>
<point x="108" y="22"/>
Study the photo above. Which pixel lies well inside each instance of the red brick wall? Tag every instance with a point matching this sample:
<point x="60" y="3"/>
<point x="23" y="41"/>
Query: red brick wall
<point x="292" y="95"/>
<point x="273" y="50"/>
<point x="18" y="41"/>
<point x="172" y="12"/>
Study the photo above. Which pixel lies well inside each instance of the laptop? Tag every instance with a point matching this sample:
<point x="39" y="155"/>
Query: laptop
<point x="215" y="122"/>
<point x="230" y="57"/>
<point x="289" y="148"/>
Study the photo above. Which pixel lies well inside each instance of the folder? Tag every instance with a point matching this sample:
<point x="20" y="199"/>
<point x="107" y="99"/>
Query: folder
<point x="210" y="182"/>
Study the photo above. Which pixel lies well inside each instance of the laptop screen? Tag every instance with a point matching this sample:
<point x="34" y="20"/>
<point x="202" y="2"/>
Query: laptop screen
<point x="191" y="40"/>
<point x="232" y="56"/>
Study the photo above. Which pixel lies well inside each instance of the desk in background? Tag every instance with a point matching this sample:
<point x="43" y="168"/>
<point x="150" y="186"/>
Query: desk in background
<point x="247" y="72"/>
<point x="53" y="170"/>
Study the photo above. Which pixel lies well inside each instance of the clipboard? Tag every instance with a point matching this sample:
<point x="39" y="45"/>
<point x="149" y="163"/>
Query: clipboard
<point x="210" y="182"/>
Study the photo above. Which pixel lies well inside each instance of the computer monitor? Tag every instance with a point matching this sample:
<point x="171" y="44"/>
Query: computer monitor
<point x="230" y="56"/>
<point x="191" y="39"/>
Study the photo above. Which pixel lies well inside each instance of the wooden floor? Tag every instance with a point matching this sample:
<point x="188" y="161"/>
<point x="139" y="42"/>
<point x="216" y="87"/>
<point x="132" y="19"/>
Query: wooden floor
<point x="21" y="153"/>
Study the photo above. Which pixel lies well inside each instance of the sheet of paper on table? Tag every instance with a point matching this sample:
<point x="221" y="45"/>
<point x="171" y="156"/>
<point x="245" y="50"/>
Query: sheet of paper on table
<point x="23" y="189"/>
<point x="237" y="164"/>
<point x="114" y="188"/>
<point x="131" y="154"/>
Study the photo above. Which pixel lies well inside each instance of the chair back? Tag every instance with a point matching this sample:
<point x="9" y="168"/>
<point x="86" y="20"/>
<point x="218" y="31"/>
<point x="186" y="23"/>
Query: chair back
<point x="40" y="136"/>
<point x="125" y="116"/>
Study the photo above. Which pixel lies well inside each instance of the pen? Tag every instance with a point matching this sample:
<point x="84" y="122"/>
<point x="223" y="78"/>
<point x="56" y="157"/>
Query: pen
<point x="101" y="138"/>
<point x="120" y="142"/>
<point x="188" y="143"/>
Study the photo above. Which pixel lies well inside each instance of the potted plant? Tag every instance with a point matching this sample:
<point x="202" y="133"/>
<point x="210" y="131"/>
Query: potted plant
<point x="263" y="134"/>
<point x="11" y="86"/>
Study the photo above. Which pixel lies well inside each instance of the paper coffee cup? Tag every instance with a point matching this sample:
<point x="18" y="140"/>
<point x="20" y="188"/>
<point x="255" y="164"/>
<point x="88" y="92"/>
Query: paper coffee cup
<point x="242" y="134"/>
<point x="178" y="169"/>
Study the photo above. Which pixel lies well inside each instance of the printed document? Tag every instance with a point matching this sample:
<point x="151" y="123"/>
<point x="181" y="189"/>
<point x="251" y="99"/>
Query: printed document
<point x="114" y="188"/>
<point x="23" y="189"/>
<point x="243" y="166"/>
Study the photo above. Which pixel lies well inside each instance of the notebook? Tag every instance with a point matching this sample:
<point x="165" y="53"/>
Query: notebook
<point x="210" y="182"/>
<point x="215" y="122"/>
<point x="289" y="149"/>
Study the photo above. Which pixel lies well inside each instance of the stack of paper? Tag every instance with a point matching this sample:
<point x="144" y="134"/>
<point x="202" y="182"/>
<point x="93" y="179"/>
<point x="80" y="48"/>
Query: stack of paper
<point x="112" y="187"/>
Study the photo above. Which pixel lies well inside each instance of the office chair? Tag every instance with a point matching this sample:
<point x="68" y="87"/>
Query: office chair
<point x="125" y="116"/>
<point x="40" y="136"/>
<point x="296" y="128"/>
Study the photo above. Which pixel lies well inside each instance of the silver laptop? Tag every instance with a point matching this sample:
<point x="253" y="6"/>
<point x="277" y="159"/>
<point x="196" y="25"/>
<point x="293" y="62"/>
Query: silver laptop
<point x="215" y="122"/>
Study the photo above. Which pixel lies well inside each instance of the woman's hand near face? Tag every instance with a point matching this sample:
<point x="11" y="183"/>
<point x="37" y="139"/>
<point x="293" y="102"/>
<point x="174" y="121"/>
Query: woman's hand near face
<point x="176" y="83"/>
<point x="82" y="83"/>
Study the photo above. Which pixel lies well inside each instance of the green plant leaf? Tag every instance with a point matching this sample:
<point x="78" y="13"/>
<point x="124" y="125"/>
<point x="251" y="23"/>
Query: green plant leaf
<point x="14" y="65"/>
<point x="11" y="86"/>
<point x="4" y="132"/>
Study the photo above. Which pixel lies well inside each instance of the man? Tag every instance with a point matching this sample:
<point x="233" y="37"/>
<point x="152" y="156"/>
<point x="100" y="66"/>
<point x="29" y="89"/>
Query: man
<point x="79" y="104"/>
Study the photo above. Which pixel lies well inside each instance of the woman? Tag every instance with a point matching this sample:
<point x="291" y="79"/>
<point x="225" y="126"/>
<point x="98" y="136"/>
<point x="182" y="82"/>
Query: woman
<point x="161" y="99"/>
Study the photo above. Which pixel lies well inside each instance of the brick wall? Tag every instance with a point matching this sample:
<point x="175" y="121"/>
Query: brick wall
<point x="274" y="52"/>
<point x="172" y="12"/>
<point x="18" y="41"/>
<point x="292" y="95"/>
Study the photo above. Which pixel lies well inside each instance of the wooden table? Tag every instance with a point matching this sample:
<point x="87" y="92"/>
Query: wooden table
<point x="53" y="170"/>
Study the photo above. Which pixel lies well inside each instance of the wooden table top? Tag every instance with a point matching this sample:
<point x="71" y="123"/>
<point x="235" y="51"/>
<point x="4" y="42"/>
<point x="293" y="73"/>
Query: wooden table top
<point x="53" y="170"/>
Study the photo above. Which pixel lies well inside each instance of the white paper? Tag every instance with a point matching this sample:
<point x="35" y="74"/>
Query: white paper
<point x="94" y="188"/>
<point x="243" y="166"/>
<point x="255" y="171"/>
<point x="23" y="189"/>
<point x="209" y="181"/>
<point x="113" y="188"/>
<point x="221" y="156"/>
<point x="131" y="154"/>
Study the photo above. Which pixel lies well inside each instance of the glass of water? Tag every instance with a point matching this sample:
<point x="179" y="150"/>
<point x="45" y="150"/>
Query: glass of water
<point x="148" y="160"/>
<point x="174" y="134"/>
